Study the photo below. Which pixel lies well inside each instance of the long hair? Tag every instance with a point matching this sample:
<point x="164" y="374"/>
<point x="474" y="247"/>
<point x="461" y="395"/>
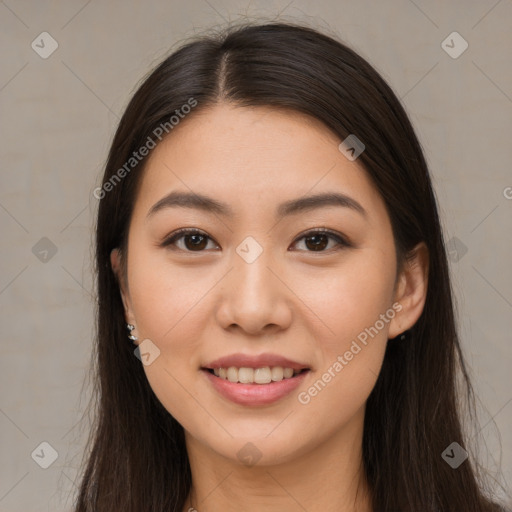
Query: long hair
<point x="136" y="458"/>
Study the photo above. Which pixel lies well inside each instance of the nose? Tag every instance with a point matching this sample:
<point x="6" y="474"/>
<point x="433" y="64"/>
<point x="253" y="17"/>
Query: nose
<point x="254" y="298"/>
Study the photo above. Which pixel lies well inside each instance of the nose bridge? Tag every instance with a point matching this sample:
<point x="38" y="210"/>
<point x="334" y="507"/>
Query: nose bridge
<point x="253" y="277"/>
<point x="254" y="296"/>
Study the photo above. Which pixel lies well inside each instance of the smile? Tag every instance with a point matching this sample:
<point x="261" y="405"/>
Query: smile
<point x="264" y="375"/>
<point x="254" y="393"/>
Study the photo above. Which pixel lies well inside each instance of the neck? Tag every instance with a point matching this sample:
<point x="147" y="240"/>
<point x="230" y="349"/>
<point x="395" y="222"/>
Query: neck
<point x="326" y="477"/>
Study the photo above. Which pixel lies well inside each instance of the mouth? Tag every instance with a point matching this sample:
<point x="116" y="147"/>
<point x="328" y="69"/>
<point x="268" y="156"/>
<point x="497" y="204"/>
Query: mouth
<point x="255" y="386"/>
<point x="257" y="376"/>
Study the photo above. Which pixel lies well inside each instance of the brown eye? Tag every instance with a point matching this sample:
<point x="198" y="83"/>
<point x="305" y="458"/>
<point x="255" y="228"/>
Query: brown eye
<point x="193" y="240"/>
<point x="318" y="241"/>
<point x="196" y="241"/>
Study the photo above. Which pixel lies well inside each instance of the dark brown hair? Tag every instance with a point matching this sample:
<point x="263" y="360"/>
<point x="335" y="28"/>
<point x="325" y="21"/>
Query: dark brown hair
<point x="137" y="459"/>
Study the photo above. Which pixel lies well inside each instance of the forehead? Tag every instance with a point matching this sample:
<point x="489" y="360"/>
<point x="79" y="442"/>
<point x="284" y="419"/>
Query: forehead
<point x="253" y="157"/>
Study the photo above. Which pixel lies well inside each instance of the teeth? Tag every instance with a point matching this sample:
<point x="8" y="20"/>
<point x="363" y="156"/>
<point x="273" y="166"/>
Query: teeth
<point x="245" y="375"/>
<point x="288" y="372"/>
<point x="263" y="375"/>
<point x="277" y="373"/>
<point x="232" y="374"/>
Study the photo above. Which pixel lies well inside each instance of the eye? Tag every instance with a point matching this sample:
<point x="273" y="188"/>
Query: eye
<point x="317" y="240"/>
<point x="194" y="240"/>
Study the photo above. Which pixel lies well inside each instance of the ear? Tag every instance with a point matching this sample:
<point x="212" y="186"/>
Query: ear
<point x="411" y="290"/>
<point x="115" y="261"/>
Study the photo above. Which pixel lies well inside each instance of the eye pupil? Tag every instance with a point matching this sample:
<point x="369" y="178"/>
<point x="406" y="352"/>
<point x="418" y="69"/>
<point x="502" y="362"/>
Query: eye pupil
<point x="320" y="241"/>
<point x="197" y="243"/>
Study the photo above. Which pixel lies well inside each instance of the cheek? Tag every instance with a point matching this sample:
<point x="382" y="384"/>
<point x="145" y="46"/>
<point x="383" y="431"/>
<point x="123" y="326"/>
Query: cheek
<point x="165" y="297"/>
<point x="168" y="309"/>
<point x="350" y="298"/>
<point x="355" y="303"/>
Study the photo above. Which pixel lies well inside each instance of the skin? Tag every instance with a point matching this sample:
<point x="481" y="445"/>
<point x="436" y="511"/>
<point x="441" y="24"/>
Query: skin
<point x="303" y="304"/>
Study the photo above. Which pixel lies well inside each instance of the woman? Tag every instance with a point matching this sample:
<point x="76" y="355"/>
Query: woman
<point x="268" y="238"/>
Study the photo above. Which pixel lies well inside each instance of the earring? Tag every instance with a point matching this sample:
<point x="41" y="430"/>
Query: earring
<point x="130" y="327"/>
<point x="404" y="335"/>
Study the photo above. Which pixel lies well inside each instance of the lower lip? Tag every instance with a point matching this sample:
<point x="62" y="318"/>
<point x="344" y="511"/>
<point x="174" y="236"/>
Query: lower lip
<point x="255" y="394"/>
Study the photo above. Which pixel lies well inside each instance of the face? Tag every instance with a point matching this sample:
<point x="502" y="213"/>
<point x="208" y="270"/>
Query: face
<point x="254" y="277"/>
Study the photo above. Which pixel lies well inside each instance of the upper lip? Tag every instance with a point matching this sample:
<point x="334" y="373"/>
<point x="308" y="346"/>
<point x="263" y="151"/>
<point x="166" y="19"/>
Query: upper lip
<point x="258" y="361"/>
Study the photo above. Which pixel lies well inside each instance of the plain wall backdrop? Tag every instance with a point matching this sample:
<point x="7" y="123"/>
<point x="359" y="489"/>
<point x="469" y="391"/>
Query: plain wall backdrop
<point x="59" y="107"/>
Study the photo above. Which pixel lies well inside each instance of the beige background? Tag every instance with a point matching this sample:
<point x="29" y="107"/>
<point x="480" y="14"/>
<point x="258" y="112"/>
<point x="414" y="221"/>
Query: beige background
<point x="58" y="116"/>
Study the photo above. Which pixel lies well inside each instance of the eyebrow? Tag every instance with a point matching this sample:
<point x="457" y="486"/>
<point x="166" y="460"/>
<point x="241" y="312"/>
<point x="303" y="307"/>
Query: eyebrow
<point x="208" y="204"/>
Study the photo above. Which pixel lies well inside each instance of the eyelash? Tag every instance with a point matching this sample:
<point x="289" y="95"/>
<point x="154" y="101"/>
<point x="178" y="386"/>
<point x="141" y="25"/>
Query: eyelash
<point x="180" y="233"/>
